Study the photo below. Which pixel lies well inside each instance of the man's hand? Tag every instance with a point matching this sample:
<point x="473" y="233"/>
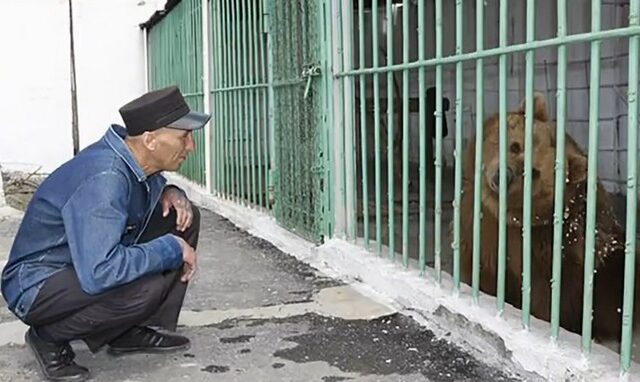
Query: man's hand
<point x="189" y="260"/>
<point x="174" y="198"/>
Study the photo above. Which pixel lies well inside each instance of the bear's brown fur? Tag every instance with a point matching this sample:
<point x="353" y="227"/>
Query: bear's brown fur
<point x="609" y="252"/>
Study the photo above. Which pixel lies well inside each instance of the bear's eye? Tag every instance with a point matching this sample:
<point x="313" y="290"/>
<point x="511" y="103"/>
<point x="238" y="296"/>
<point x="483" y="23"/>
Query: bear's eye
<point x="535" y="173"/>
<point x="515" y="148"/>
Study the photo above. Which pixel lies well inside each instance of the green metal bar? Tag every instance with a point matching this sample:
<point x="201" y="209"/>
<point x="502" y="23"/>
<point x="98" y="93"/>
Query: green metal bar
<point x="558" y="213"/>
<point x="339" y="114"/>
<point x="350" y="148"/>
<point x="240" y="87"/>
<point x="528" y="163"/>
<point x="227" y="102"/>
<point x="248" y="124"/>
<point x="592" y="181"/>
<point x="390" y="127"/>
<point x="256" y="33"/>
<point x="233" y="105"/>
<point x="502" y="213"/>
<point x="270" y="102"/>
<point x="517" y="48"/>
<point x="422" y="245"/>
<point x="477" y="197"/>
<point x="266" y="97"/>
<point x="363" y="127"/>
<point x="295" y="151"/>
<point x="242" y="60"/>
<point x="376" y="124"/>
<point x="632" y="193"/>
<point x="216" y="18"/>
<point x="250" y="78"/>
<point x="405" y="136"/>
<point x="438" y="151"/>
<point x="326" y="49"/>
<point x="458" y="149"/>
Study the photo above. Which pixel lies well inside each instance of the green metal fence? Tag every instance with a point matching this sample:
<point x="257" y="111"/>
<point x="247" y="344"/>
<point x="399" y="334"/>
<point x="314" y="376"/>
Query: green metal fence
<point x="175" y="58"/>
<point x="332" y="115"/>
<point x="383" y="117"/>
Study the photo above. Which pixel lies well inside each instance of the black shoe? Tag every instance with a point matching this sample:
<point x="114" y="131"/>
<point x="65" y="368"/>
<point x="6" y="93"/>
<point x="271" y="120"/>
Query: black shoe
<point x="55" y="360"/>
<point x="141" y="339"/>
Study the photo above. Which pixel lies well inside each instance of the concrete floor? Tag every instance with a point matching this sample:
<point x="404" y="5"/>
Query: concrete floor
<point x="256" y="314"/>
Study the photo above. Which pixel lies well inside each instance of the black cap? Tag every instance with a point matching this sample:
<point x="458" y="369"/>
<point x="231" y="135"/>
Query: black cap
<point x="161" y="108"/>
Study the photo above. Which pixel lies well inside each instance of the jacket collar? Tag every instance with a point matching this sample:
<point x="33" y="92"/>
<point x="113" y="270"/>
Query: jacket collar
<point x="114" y="137"/>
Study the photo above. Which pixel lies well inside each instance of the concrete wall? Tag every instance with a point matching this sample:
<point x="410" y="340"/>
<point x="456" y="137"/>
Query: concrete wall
<point x="35" y="102"/>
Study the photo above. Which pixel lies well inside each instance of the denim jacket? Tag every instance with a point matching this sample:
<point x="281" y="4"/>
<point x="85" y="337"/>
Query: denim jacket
<point x="89" y="215"/>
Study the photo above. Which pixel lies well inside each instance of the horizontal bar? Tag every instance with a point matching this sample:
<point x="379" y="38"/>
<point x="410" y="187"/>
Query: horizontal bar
<point x="242" y="87"/>
<point x="572" y="39"/>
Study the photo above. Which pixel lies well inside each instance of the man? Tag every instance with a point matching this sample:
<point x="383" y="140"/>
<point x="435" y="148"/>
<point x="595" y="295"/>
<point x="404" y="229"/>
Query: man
<point x="106" y="248"/>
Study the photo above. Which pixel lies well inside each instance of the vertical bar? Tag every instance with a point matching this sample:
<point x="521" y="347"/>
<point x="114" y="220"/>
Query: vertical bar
<point x="349" y="91"/>
<point x="251" y="79"/>
<point x="592" y="180"/>
<point x="477" y="201"/>
<point x="558" y="213"/>
<point x="242" y="62"/>
<point x="233" y="104"/>
<point x="256" y="33"/>
<point x="228" y="124"/>
<point x="266" y="121"/>
<point x="145" y="54"/>
<point x="270" y="99"/>
<point x="528" y="162"/>
<point x="458" y="149"/>
<point x="376" y="124"/>
<point x="248" y="80"/>
<point x="405" y="135"/>
<point x="632" y="192"/>
<point x="217" y="64"/>
<point x="438" y="151"/>
<point x="422" y="138"/>
<point x="339" y="205"/>
<point x="209" y="174"/>
<point x="390" y="134"/>
<point x="502" y="213"/>
<point x="363" y="126"/>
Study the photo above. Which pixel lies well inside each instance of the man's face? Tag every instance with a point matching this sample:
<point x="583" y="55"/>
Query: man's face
<point x="172" y="147"/>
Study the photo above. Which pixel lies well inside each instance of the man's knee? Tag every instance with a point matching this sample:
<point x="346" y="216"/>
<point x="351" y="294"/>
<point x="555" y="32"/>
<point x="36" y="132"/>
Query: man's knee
<point x="144" y="296"/>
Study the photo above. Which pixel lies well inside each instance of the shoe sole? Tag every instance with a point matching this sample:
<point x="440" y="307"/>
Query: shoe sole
<point x="158" y="350"/>
<point x="41" y="368"/>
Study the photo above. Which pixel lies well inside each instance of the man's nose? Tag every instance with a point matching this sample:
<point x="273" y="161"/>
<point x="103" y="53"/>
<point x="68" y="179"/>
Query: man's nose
<point x="191" y="145"/>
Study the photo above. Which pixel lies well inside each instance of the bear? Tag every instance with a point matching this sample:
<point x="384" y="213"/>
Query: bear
<point x="609" y="239"/>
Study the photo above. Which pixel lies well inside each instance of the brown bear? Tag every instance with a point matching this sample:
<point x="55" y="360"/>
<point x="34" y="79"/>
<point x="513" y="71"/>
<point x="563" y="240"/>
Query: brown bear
<point x="609" y="252"/>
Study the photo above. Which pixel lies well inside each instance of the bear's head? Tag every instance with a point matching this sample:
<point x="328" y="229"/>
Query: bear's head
<point x="543" y="169"/>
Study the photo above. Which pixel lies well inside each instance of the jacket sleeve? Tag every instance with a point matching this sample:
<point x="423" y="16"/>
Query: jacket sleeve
<point x="95" y="217"/>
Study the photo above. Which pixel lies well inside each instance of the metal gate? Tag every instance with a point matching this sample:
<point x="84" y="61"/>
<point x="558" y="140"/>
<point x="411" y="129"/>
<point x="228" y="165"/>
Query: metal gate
<point x="298" y="93"/>
<point x="175" y="58"/>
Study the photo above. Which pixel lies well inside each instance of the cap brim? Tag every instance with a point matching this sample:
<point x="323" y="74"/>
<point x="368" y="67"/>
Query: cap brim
<point x="191" y="121"/>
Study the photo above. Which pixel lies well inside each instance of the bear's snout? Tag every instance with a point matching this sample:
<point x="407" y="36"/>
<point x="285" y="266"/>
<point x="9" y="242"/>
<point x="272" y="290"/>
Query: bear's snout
<point x="495" y="180"/>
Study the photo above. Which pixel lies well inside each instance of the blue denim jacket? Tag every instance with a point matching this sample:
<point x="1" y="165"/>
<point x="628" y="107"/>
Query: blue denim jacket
<point x="89" y="214"/>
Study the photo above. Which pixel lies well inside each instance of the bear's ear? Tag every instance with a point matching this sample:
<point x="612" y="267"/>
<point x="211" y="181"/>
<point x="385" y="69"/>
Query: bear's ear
<point x="539" y="107"/>
<point x="577" y="167"/>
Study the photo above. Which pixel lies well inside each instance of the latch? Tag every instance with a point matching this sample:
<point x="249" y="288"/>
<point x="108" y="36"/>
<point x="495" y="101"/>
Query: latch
<point x="309" y="73"/>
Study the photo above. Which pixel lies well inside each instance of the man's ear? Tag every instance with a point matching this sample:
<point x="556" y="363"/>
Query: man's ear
<point x="577" y="167"/>
<point x="539" y="107"/>
<point x="149" y="140"/>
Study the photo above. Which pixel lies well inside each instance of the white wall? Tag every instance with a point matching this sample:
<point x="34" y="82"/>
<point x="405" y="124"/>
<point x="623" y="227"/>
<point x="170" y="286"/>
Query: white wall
<point x="35" y="102"/>
<point x="34" y="78"/>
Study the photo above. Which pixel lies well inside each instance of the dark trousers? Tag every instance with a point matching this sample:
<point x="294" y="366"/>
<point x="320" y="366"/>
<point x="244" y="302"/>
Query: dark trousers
<point x="63" y="312"/>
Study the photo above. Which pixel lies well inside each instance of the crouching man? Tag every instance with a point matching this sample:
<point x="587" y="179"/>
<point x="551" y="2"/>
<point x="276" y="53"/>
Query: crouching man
<point x="106" y="248"/>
